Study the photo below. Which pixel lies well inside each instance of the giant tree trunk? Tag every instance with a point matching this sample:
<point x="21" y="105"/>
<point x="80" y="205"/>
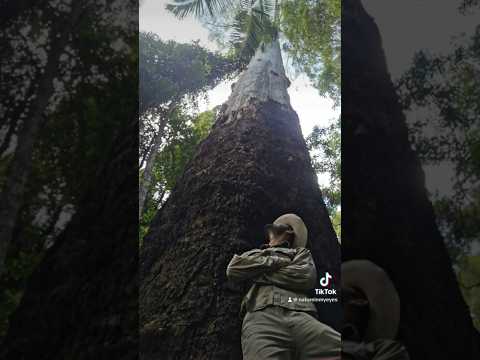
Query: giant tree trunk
<point x="81" y="302"/>
<point x="253" y="167"/>
<point x="386" y="214"/>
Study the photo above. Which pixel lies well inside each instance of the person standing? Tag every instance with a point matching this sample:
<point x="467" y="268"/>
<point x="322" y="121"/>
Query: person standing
<point x="276" y="325"/>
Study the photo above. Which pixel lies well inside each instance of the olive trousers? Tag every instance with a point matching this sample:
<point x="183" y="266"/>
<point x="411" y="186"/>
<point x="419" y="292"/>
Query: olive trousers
<point x="282" y="334"/>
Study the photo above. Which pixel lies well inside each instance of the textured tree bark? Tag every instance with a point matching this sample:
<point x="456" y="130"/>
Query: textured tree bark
<point x="386" y="214"/>
<point x="81" y="302"/>
<point x="253" y="167"/>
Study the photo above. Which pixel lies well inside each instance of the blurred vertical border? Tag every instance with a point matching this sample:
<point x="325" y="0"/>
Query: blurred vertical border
<point x="69" y="179"/>
<point x="410" y="175"/>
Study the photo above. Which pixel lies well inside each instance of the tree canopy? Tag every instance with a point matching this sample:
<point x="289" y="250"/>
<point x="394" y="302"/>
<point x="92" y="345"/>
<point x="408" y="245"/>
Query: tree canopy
<point x="169" y="70"/>
<point x="310" y="30"/>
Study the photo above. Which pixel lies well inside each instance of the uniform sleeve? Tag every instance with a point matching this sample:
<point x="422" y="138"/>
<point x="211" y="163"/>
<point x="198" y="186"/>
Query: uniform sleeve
<point x="252" y="264"/>
<point x="299" y="274"/>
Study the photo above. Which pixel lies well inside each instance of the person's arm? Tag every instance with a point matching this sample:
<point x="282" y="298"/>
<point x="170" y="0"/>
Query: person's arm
<point x="299" y="274"/>
<point x="252" y="264"/>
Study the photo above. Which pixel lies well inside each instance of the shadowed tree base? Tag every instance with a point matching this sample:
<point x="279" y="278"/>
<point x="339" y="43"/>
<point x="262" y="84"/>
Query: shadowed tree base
<point x="386" y="214"/>
<point x="248" y="171"/>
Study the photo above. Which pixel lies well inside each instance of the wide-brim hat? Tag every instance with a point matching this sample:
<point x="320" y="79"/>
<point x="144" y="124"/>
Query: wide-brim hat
<point x="298" y="226"/>
<point x="382" y="296"/>
<point x="278" y="228"/>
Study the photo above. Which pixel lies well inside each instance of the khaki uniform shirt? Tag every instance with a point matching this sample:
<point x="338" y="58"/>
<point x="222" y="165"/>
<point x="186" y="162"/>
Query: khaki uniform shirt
<point x="281" y="275"/>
